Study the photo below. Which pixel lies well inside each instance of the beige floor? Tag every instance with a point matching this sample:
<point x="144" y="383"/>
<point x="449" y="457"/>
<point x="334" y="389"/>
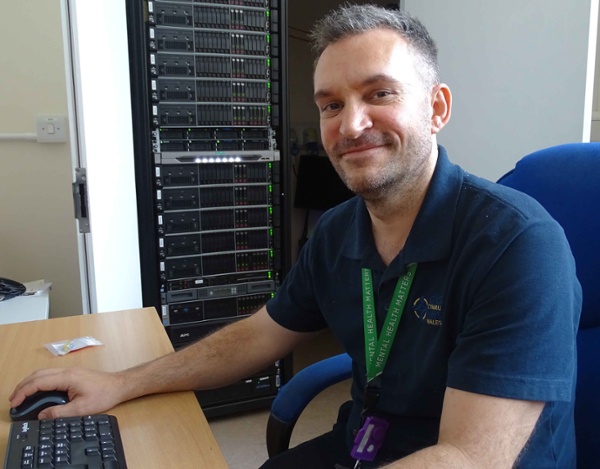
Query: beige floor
<point x="242" y="437"/>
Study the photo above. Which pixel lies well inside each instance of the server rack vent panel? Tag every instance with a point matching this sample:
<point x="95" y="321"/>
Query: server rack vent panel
<point x="215" y="125"/>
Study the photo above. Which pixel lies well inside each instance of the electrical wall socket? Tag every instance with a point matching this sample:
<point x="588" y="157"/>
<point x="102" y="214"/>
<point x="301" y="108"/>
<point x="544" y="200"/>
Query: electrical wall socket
<point x="51" y="129"/>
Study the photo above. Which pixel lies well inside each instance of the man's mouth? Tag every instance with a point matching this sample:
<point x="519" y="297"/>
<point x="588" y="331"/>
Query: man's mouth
<point x="358" y="149"/>
<point x="364" y="144"/>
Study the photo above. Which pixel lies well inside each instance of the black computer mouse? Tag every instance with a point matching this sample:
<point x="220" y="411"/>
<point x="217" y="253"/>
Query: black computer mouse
<point x="34" y="404"/>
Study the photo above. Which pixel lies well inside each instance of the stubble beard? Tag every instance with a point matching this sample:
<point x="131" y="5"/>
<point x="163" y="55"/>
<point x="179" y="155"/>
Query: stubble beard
<point x="397" y="178"/>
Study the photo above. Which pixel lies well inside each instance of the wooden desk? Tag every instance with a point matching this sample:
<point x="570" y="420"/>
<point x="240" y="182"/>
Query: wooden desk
<point x="165" y="430"/>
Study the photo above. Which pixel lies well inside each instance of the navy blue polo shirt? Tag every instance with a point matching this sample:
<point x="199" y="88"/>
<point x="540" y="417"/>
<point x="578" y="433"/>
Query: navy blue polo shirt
<point x="493" y="309"/>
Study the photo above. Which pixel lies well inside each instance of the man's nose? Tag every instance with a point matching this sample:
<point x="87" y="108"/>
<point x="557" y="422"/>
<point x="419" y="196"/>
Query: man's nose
<point x="355" y="120"/>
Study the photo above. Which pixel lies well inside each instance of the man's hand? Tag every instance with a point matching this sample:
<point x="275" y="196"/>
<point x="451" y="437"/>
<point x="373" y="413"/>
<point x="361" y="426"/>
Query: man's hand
<point x="90" y="391"/>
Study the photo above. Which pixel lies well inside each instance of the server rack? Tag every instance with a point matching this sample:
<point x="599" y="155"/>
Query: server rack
<point x="210" y="121"/>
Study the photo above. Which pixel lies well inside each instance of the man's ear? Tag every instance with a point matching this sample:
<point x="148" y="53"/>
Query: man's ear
<point x="441" y="107"/>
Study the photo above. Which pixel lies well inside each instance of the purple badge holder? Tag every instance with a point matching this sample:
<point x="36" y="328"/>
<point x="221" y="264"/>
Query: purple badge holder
<point x="369" y="439"/>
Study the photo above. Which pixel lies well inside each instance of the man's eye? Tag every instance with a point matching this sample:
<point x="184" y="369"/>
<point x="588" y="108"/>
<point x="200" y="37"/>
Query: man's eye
<point x="382" y="94"/>
<point x="330" y="107"/>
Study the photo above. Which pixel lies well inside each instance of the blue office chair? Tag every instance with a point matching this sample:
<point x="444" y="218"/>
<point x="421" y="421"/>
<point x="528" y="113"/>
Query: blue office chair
<point x="565" y="179"/>
<point x="294" y="396"/>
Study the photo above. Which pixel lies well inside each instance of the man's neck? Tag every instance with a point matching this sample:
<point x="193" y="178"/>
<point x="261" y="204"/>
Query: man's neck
<point x="392" y="217"/>
<point x="391" y="231"/>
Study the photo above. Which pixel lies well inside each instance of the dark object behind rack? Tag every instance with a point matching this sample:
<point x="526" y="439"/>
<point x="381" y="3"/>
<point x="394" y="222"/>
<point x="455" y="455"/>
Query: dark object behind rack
<point x="319" y="187"/>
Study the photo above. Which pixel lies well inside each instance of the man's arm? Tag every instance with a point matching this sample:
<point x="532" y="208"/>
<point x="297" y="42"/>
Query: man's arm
<point x="477" y="431"/>
<point x="223" y="357"/>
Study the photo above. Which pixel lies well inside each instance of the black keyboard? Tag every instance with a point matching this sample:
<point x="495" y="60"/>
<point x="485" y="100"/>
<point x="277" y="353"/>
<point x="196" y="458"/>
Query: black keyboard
<point x="91" y="442"/>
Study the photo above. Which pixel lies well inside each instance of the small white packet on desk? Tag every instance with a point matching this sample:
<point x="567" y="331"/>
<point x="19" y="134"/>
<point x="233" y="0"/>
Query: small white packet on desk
<point x="62" y="347"/>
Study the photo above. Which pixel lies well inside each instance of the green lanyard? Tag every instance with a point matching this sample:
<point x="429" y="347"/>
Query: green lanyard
<point x="377" y="350"/>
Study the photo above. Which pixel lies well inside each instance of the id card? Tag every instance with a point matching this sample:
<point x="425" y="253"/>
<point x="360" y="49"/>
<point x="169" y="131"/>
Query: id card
<point x="369" y="438"/>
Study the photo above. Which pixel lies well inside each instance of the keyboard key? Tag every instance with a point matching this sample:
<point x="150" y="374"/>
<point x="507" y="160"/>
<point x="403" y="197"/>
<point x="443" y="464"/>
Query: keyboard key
<point x="45" y="461"/>
<point x="92" y="451"/>
<point x="61" y="459"/>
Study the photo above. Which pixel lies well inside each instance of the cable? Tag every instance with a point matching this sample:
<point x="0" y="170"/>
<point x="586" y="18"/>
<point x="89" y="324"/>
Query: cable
<point x="300" y="30"/>
<point x="19" y="137"/>
<point x="299" y="38"/>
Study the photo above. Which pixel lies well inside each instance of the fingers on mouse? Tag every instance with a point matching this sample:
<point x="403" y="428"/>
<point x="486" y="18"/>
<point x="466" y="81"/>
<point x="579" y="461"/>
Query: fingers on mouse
<point x="34" y="404"/>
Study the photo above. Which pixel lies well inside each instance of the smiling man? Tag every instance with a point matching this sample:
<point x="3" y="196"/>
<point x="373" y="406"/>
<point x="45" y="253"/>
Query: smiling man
<point x="455" y="297"/>
<point x="472" y="366"/>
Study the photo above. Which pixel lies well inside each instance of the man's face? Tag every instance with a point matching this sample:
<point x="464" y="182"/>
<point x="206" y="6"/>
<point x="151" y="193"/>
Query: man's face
<point x="375" y="113"/>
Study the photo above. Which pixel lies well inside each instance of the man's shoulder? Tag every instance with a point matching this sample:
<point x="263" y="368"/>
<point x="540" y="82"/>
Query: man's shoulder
<point x="488" y="199"/>
<point x="459" y="201"/>
<point x="490" y="218"/>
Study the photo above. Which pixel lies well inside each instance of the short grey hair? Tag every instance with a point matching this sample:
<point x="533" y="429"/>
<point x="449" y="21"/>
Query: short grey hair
<point x="351" y="20"/>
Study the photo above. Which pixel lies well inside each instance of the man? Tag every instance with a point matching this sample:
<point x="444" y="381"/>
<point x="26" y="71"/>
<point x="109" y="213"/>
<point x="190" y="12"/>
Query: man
<point x="456" y="298"/>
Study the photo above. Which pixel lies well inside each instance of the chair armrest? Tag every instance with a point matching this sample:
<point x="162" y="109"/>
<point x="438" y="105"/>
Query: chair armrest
<point x="295" y="395"/>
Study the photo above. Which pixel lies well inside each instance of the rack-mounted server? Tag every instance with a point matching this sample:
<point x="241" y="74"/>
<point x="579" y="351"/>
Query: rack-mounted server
<point x="210" y="125"/>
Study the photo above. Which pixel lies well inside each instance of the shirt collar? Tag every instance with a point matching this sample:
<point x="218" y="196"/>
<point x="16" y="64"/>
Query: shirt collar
<point x="430" y="238"/>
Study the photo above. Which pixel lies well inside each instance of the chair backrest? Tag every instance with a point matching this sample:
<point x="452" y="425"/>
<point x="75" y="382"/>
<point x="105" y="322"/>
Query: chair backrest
<point x="565" y="179"/>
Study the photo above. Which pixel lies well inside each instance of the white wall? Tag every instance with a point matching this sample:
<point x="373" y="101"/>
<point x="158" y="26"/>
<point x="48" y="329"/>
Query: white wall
<point x="38" y="232"/>
<point x="519" y="72"/>
<point x="595" y="134"/>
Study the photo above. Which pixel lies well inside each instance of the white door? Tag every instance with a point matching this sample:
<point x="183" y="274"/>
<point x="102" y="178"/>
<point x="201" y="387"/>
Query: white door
<point x="101" y="112"/>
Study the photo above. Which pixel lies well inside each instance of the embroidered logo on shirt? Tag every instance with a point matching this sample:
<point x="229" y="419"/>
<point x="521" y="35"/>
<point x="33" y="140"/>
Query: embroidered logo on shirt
<point x="428" y="311"/>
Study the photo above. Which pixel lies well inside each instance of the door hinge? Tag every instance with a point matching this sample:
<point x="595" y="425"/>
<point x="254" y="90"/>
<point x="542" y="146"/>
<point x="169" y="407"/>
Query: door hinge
<point x="80" y="200"/>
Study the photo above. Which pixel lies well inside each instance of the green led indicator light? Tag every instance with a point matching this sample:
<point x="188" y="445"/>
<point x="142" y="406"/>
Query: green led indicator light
<point x="271" y="210"/>
<point x="270" y="165"/>
<point x="268" y="38"/>
<point x="270" y="274"/>
<point x="270" y="188"/>
<point x="269" y="63"/>
<point x="268" y="13"/>
<point x="271" y="253"/>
